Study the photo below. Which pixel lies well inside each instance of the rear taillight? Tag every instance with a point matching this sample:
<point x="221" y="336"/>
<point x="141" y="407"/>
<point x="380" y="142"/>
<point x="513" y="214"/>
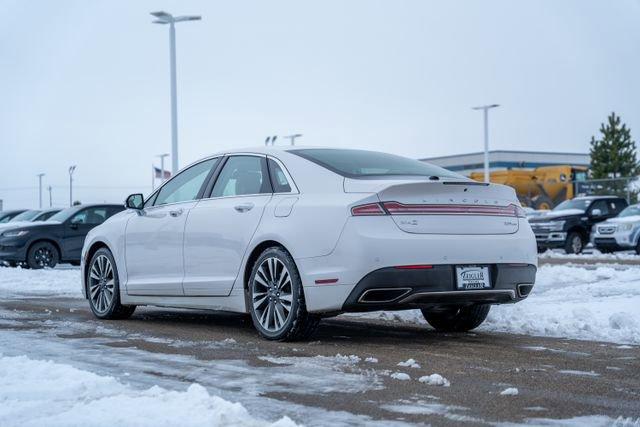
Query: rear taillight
<point x="397" y="208"/>
<point x="370" y="209"/>
<point x="520" y="213"/>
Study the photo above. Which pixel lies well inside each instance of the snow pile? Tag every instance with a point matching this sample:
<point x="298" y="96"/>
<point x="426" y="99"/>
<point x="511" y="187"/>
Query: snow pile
<point x="17" y="281"/>
<point x="35" y="393"/>
<point x="435" y="379"/>
<point x="591" y="255"/>
<point x="411" y="363"/>
<point x="511" y="391"/>
<point x="400" y="376"/>
<point x="576" y="302"/>
<point x="569" y="301"/>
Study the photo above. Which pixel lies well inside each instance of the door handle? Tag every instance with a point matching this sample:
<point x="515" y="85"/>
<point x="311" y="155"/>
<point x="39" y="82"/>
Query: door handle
<point x="175" y="213"/>
<point x="244" y="207"/>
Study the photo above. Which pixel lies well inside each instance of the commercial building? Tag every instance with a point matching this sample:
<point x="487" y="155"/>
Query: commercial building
<point x="507" y="159"/>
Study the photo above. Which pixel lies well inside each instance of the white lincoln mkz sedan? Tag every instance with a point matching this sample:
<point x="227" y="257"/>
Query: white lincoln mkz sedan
<point x="291" y="235"/>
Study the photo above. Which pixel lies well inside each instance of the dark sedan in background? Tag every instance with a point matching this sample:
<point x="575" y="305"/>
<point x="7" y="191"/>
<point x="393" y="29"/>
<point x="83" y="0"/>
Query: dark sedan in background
<point x="31" y="215"/>
<point x="60" y="239"/>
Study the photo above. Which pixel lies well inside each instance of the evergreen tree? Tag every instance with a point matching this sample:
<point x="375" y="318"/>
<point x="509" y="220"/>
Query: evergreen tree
<point x="614" y="155"/>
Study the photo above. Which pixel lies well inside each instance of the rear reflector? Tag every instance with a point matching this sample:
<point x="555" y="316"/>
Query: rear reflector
<point x="325" y="281"/>
<point x="415" y="267"/>
<point x="368" y="210"/>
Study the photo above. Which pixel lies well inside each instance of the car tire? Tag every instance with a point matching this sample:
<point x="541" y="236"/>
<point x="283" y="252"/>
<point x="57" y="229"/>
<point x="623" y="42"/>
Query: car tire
<point x="542" y="203"/>
<point x="574" y="243"/>
<point x="42" y="254"/>
<point x="638" y="247"/>
<point x="276" y="298"/>
<point x="457" y="319"/>
<point x="103" y="287"/>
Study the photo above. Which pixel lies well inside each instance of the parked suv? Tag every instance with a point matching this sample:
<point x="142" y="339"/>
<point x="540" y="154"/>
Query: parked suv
<point x="60" y="239"/>
<point x="621" y="233"/>
<point x="569" y="225"/>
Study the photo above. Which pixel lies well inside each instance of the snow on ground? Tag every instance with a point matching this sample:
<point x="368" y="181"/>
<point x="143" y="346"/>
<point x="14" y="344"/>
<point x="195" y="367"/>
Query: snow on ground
<point x="591" y="254"/>
<point x="569" y="301"/>
<point x="36" y="392"/>
<point x="61" y="282"/>
<point x="592" y="302"/>
<point x="435" y="379"/>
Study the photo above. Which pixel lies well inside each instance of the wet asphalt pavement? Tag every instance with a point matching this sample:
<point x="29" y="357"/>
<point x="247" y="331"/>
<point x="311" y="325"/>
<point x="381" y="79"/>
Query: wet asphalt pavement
<point x="555" y="378"/>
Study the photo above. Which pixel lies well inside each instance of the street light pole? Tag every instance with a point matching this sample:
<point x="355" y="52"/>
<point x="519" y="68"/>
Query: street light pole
<point x="50" y="198"/>
<point x="166" y="18"/>
<point x="485" y="110"/>
<point x="71" y="170"/>
<point x="40" y="175"/>
<point x="292" y="138"/>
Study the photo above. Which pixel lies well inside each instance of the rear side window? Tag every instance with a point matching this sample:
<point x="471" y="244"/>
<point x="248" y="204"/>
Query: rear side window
<point x="241" y="176"/>
<point x="114" y="210"/>
<point x="278" y="178"/>
<point x="363" y="164"/>
<point x="90" y="216"/>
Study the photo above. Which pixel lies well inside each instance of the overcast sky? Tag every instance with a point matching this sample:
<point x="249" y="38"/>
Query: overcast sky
<point x="87" y="82"/>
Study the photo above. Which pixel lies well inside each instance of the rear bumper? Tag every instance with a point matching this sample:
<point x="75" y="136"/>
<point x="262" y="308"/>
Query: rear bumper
<point x="374" y="244"/>
<point x="611" y="244"/>
<point x="392" y="288"/>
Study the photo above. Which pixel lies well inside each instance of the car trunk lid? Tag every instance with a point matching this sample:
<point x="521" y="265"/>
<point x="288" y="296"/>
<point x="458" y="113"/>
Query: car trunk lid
<point x="444" y="207"/>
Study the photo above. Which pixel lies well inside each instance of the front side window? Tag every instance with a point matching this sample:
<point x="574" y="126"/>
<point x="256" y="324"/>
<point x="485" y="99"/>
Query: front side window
<point x="581" y="204"/>
<point x="90" y="216"/>
<point x="278" y="178"/>
<point x="602" y="205"/>
<point x="186" y="185"/>
<point x="363" y="164"/>
<point x="242" y="175"/>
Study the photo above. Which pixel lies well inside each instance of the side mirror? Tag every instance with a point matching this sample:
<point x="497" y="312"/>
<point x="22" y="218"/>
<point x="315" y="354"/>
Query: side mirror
<point x="134" y="201"/>
<point x="596" y="212"/>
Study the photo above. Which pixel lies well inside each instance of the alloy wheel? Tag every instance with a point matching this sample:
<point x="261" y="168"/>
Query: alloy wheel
<point x="576" y="244"/>
<point x="101" y="284"/>
<point x="272" y="294"/>
<point x="43" y="257"/>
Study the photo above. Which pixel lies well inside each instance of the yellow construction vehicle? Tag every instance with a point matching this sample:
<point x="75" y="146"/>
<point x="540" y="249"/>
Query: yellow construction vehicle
<point x="540" y="188"/>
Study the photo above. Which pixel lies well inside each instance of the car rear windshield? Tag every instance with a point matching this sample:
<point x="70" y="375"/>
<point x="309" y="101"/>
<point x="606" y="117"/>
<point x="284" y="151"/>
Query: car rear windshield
<point x="363" y="164"/>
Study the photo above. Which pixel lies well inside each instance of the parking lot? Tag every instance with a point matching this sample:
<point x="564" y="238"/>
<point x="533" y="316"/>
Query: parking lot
<point x="570" y="352"/>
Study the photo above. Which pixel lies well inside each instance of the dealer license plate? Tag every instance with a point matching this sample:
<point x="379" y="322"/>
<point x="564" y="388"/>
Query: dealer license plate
<point x="473" y="277"/>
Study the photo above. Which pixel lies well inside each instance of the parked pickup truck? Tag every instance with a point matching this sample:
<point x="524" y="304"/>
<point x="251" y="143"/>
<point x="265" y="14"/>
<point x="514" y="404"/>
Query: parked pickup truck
<point x="569" y="224"/>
